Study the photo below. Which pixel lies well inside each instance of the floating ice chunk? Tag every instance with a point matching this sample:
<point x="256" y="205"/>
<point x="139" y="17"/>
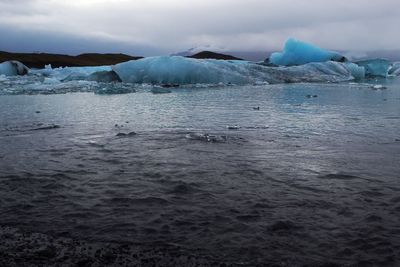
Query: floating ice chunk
<point x="296" y="52"/>
<point x="12" y="68"/>
<point x="375" y="67"/>
<point x="233" y="127"/>
<point x="207" y="137"/>
<point x="378" y="87"/>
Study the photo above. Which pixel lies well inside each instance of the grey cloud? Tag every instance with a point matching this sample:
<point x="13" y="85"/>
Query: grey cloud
<point x="234" y="24"/>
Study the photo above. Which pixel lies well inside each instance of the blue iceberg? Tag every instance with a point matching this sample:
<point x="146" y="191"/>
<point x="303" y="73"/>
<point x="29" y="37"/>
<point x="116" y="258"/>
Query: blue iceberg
<point x="296" y="52"/>
<point x="13" y="68"/>
<point x="181" y="70"/>
<point x="375" y="67"/>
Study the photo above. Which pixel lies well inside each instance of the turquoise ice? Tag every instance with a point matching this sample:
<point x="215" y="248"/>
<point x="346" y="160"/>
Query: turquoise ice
<point x="12" y="68"/>
<point x="181" y="70"/>
<point x="296" y="52"/>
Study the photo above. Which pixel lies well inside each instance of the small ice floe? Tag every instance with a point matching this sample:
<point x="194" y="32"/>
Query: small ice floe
<point x="233" y="127"/>
<point x="126" y="134"/>
<point x="260" y="83"/>
<point x="311" y="96"/>
<point x="378" y="87"/>
<point x="48" y="127"/>
<point x="207" y="137"/>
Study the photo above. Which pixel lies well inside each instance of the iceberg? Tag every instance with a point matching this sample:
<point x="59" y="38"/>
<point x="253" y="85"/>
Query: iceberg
<point x="13" y="68"/>
<point x="181" y="71"/>
<point x="296" y="52"/>
<point x="375" y="67"/>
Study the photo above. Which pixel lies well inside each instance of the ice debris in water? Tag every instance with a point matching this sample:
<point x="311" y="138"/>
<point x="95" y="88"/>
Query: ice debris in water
<point x="375" y="67"/>
<point x="296" y="52"/>
<point x="378" y="87"/>
<point x="125" y="134"/>
<point x="207" y="137"/>
<point x="114" y="88"/>
<point x="12" y="68"/>
<point x="233" y="127"/>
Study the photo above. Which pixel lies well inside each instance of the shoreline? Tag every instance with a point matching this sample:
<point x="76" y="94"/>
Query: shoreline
<point x="40" y="60"/>
<point x="23" y="248"/>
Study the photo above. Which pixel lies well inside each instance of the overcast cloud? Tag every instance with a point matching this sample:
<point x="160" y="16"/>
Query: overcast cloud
<point x="150" y="27"/>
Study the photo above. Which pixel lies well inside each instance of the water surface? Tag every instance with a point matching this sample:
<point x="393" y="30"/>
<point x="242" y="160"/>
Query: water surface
<point x="311" y="177"/>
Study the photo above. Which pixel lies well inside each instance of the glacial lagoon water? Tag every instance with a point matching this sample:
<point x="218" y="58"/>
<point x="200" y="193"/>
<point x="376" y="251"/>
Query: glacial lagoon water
<point x="285" y="175"/>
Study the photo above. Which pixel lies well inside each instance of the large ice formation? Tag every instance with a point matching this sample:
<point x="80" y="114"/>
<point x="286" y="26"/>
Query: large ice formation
<point x="12" y="68"/>
<point x="181" y="70"/>
<point x="375" y="67"/>
<point x="296" y="52"/>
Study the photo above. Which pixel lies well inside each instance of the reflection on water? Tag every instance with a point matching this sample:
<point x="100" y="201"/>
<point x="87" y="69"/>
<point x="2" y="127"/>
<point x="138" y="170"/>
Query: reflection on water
<point x="301" y="179"/>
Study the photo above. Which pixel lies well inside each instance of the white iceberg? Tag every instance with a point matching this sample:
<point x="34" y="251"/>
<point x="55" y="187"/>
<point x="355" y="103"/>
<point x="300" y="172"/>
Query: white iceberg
<point x="296" y="52"/>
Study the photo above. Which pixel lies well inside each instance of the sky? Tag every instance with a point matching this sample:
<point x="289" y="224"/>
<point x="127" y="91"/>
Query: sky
<point x="157" y="27"/>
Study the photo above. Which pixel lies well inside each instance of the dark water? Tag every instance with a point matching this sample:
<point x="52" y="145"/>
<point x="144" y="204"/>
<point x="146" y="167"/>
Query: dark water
<point x="305" y="180"/>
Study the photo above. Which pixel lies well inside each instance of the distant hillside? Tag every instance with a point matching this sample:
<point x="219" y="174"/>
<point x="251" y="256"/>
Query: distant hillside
<point x="39" y="60"/>
<point x="213" y="55"/>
